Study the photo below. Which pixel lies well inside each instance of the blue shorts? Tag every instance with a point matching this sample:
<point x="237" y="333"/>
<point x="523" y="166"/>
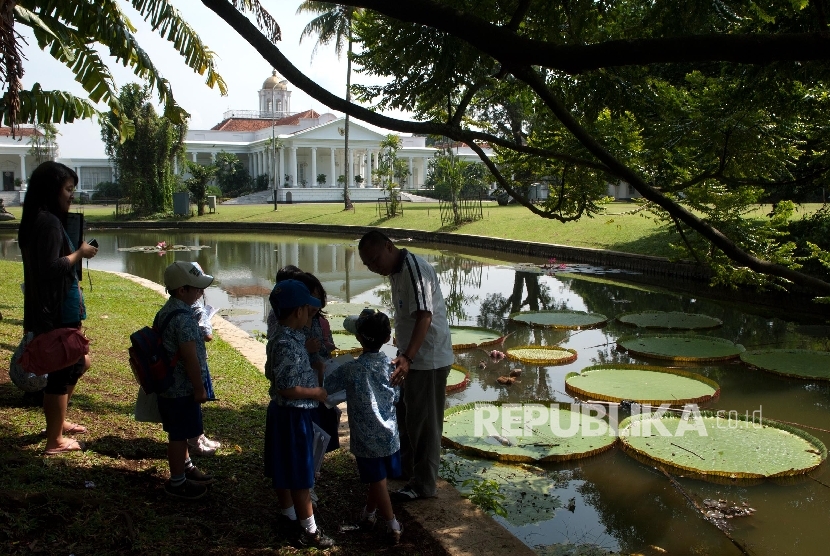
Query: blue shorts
<point x="289" y="449"/>
<point x="181" y="418"/>
<point x="373" y="470"/>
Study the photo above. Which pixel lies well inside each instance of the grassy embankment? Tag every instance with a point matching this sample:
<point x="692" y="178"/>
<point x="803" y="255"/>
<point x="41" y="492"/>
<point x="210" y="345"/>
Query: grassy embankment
<point x="110" y="499"/>
<point x="633" y="233"/>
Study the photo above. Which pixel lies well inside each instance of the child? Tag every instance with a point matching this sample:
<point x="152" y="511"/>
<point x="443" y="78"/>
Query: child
<point x="372" y="420"/>
<point x="286" y="272"/>
<point x="201" y="445"/>
<point x="295" y="393"/>
<point x="180" y="405"/>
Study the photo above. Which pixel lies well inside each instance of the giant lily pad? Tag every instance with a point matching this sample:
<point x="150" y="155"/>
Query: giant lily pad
<point x="468" y="337"/>
<point x="732" y="446"/>
<point x="458" y="379"/>
<point x="488" y="429"/>
<point x="680" y="347"/>
<point x="346" y="343"/>
<point x="573" y="320"/>
<point x="642" y="384"/>
<point x="542" y="355"/>
<point x="670" y="319"/>
<point x="796" y="363"/>
<point x="527" y="490"/>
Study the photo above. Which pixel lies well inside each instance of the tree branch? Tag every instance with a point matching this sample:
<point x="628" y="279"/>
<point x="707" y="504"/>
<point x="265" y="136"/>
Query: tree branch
<point x="272" y="54"/>
<point x="518" y="16"/>
<point x="511" y="50"/>
<point x="715" y="236"/>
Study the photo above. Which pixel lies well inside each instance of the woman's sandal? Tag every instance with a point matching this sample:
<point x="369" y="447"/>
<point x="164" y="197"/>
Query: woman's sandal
<point x="75" y="429"/>
<point x="71" y="446"/>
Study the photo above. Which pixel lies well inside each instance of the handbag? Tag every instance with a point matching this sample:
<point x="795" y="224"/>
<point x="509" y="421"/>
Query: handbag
<point x="54" y="350"/>
<point x="147" y="407"/>
<point x="28" y="382"/>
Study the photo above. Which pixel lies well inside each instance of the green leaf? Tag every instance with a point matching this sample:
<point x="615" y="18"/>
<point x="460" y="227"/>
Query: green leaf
<point x="796" y="363"/>
<point x="670" y="319"/>
<point x="678" y="347"/>
<point x="574" y="320"/>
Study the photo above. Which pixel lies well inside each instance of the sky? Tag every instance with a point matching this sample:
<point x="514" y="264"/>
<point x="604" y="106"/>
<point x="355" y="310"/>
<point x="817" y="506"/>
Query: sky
<point x="237" y="62"/>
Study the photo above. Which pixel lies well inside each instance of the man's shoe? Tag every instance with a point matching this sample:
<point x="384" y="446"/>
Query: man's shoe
<point x="196" y="475"/>
<point x="188" y="490"/>
<point x="406" y="494"/>
<point x="316" y="539"/>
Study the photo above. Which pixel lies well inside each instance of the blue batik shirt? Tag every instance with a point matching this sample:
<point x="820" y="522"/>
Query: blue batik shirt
<point x="181" y="329"/>
<point x="371" y="400"/>
<point x="287" y="365"/>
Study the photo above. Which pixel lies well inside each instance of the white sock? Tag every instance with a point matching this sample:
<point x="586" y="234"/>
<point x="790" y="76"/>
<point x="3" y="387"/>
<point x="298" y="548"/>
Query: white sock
<point x="290" y="513"/>
<point x="309" y="525"/>
<point x="367" y="514"/>
<point x="393" y="524"/>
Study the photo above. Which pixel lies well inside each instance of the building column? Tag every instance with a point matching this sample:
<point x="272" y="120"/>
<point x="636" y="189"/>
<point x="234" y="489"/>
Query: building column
<point x="424" y="167"/>
<point x="368" y="168"/>
<point x="313" y="180"/>
<point x="281" y="170"/>
<point x="332" y="178"/>
<point x="292" y="171"/>
<point x="411" y="175"/>
<point x="213" y="158"/>
<point x="23" y="167"/>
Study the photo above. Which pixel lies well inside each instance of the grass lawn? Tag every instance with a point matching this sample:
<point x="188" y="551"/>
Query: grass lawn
<point x="49" y="504"/>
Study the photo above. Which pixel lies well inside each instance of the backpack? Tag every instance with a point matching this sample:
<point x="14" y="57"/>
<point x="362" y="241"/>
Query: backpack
<point x="151" y="364"/>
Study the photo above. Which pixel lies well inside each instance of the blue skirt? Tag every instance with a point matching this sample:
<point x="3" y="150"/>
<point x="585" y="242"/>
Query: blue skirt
<point x="289" y="452"/>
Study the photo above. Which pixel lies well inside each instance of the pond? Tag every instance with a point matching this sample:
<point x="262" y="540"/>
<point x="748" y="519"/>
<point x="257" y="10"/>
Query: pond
<point x="610" y="501"/>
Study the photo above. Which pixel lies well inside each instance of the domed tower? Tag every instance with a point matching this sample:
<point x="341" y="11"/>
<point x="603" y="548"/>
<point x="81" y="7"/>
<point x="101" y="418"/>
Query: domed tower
<point x="274" y="97"/>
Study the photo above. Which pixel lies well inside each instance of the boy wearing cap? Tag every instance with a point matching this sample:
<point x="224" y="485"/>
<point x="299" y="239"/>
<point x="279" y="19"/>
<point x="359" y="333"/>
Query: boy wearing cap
<point x="180" y="405"/>
<point x="372" y="419"/>
<point x="295" y="393"/>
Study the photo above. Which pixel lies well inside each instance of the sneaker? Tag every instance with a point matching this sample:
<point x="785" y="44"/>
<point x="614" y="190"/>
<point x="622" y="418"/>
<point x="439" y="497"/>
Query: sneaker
<point x="202" y="446"/>
<point x="196" y="475"/>
<point x="188" y="490"/>
<point x="394" y="536"/>
<point x="316" y="539"/>
<point x="368" y="523"/>
<point x="406" y="494"/>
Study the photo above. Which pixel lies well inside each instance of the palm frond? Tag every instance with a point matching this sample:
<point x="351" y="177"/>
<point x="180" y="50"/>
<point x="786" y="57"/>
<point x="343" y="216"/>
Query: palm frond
<point x="264" y="20"/>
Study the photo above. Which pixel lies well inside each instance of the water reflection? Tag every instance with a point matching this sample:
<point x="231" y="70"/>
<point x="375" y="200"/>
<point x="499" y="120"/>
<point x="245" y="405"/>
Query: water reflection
<point x="616" y="497"/>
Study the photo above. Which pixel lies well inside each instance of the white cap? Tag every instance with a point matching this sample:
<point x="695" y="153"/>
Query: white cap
<point x="185" y="273"/>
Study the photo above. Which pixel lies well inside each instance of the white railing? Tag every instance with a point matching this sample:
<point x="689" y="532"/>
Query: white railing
<point x="256" y="114"/>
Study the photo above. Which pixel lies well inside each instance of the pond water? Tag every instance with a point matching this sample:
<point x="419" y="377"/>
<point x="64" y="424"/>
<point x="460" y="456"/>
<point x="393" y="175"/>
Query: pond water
<point x="609" y="500"/>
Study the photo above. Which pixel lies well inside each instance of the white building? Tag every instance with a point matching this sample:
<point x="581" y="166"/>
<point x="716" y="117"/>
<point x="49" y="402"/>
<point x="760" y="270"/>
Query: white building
<point x="312" y="147"/>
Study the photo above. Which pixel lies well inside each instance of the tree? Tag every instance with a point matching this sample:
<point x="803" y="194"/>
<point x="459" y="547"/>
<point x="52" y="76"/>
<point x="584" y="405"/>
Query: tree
<point x="197" y="183"/>
<point x="231" y="175"/>
<point x="591" y="93"/>
<point x="391" y="172"/>
<point x="43" y="144"/>
<point x="70" y="30"/>
<point x="447" y="176"/>
<point x="144" y="162"/>
<point x="334" y="24"/>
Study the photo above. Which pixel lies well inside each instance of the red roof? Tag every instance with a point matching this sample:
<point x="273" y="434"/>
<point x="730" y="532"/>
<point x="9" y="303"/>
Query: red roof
<point x="255" y="124"/>
<point x="19" y="132"/>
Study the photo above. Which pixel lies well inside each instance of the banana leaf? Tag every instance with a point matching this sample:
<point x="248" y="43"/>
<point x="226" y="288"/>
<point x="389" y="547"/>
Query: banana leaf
<point x="670" y="319"/>
<point x="642" y="384"/>
<point x="795" y="363"/>
<point x="571" y="320"/>
<point x="681" y="347"/>
<point x="735" y="447"/>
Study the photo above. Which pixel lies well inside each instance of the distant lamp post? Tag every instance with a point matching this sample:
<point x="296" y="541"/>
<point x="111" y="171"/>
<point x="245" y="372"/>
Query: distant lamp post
<point x="274" y="147"/>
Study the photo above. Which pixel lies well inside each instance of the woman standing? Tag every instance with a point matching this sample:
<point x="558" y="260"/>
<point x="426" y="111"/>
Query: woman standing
<point x="52" y="297"/>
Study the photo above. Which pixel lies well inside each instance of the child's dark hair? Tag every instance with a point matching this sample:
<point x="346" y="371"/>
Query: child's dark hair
<point x="373" y="326"/>
<point x="288" y="271"/>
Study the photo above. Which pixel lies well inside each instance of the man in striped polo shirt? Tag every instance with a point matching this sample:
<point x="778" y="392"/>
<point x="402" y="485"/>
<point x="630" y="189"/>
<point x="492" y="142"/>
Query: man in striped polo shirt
<point x="424" y="358"/>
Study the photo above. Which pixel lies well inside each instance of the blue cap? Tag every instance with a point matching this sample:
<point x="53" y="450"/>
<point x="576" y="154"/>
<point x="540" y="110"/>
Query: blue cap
<point x="289" y="294"/>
